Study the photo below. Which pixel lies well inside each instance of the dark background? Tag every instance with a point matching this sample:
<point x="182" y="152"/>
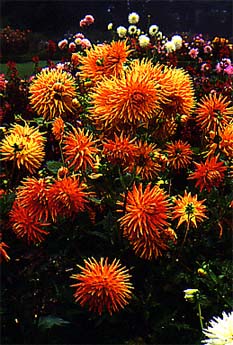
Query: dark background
<point x="56" y="18"/>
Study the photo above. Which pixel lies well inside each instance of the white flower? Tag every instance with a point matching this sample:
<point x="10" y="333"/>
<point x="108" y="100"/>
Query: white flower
<point x="110" y="26"/>
<point x="138" y="32"/>
<point x="220" y="331"/>
<point x="133" y="18"/>
<point x="132" y="29"/>
<point x="144" y="41"/>
<point x="177" y="40"/>
<point x="153" y="29"/>
<point x="170" y="46"/>
<point x="121" y="30"/>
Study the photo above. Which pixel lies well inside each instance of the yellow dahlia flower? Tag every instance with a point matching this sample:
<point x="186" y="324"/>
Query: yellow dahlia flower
<point x="179" y="93"/>
<point x="52" y="92"/>
<point x="25" y="146"/>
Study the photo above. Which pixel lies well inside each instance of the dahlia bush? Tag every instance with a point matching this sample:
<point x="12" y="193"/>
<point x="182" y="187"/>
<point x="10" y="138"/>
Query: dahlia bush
<point x="116" y="192"/>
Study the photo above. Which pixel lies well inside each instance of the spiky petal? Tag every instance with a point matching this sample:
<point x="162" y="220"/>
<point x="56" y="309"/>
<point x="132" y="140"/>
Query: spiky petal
<point x="102" y="285"/>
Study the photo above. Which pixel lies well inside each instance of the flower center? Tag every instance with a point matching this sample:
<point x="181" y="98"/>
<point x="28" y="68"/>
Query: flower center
<point x="138" y="97"/>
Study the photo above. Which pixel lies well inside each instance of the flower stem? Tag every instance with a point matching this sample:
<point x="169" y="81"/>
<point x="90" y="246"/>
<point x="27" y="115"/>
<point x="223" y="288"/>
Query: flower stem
<point x="62" y="157"/>
<point x="199" y="314"/>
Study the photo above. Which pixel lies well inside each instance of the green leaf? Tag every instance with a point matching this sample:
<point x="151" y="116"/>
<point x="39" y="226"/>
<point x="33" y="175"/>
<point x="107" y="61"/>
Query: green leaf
<point x="47" y="322"/>
<point x="6" y="202"/>
<point x="53" y="166"/>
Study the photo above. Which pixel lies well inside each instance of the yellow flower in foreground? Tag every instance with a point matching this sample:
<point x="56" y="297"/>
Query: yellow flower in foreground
<point x="52" y="92"/>
<point x="25" y="146"/>
<point x="188" y="209"/>
<point x="101" y="285"/>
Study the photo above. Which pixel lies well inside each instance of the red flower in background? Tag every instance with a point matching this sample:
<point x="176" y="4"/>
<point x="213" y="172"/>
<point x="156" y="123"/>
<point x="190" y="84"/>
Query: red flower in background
<point x="208" y="174"/>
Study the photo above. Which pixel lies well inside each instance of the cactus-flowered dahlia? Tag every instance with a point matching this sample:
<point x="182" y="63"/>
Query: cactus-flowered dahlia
<point x="52" y="92"/>
<point x="103" y="285"/>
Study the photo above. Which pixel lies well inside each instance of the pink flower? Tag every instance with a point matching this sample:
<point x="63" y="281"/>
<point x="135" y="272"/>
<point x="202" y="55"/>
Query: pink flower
<point x="89" y="19"/>
<point x="228" y="70"/>
<point x="72" y="47"/>
<point x="194" y="53"/>
<point x="79" y="35"/>
<point x="224" y="66"/>
<point x="218" y="68"/>
<point x="207" y="49"/>
<point x="3" y="82"/>
<point x="205" y="67"/>
<point x="83" y="23"/>
<point x="62" y="44"/>
<point x="225" y="63"/>
<point x="31" y="78"/>
<point x="85" y="43"/>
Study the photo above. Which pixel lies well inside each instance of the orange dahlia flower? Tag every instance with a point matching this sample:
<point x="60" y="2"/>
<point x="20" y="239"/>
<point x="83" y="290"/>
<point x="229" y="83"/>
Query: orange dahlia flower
<point x="188" y="209"/>
<point x="104" y="60"/>
<point x="213" y="113"/>
<point x="25" y="146"/>
<point x="120" y="151"/>
<point x="33" y="195"/>
<point x="208" y="174"/>
<point x="145" y="219"/>
<point x="3" y="253"/>
<point x="102" y="285"/>
<point x="164" y="128"/>
<point x="179" y="93"/>
<point x="79" y="149"/>
<point x="226" y="143"/>
<point x="131" y="99"/>
<point x="66" y="197"/>
<point x="146" y="161"/>
<point x="179" y="155"/>
<point x="58" y="127"/>
<point x="52" y="92"/>
<point x="25" y="225"/>
<point x="152" y="247"/>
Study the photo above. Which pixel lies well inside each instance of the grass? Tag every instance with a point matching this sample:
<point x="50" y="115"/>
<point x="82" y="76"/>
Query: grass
<point x="25" y="69"/>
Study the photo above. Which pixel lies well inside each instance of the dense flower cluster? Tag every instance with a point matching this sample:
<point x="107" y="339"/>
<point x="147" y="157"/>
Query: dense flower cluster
<point x="14" y="40"/>
<point x="124" y="149"/>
